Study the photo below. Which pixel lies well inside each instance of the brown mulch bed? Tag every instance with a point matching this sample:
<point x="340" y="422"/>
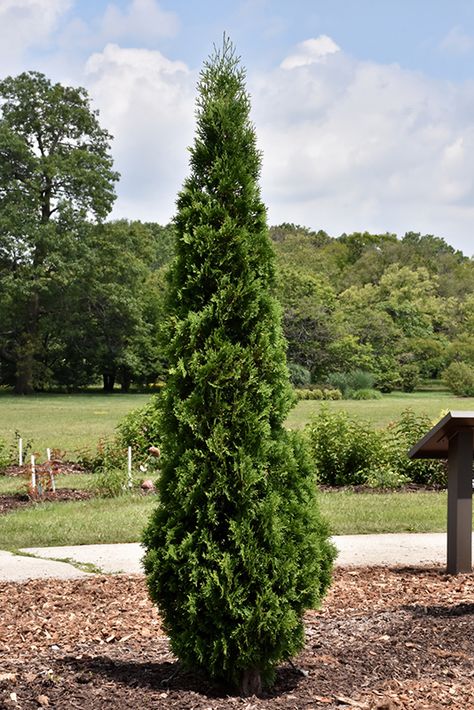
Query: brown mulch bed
<point x="385" y="638"/>
<point x="57" y="466"/>
<point x="12" y="501"/>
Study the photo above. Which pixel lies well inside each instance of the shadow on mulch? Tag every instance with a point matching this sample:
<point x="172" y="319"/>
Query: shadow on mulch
<point x="168" y="676"/>
<point x="461" y="609"/>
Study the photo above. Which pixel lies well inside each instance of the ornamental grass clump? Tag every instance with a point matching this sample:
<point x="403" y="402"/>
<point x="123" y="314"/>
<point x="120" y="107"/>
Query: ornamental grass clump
<point x="236" y="550"/>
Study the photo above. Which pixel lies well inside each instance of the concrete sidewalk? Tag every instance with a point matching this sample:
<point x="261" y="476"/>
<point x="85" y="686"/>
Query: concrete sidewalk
<point x="406" y="549"/>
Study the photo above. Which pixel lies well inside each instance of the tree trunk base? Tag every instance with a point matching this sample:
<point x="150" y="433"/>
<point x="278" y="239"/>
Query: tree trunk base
<point x="250" y="683"/>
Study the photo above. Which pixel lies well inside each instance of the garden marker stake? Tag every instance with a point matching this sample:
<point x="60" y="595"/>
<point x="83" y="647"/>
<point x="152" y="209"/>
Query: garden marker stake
<point x="33" y="473"/>
<point x="20" y="451"/>
<point x="129" y="466"/>
<point x="48" y="454"/>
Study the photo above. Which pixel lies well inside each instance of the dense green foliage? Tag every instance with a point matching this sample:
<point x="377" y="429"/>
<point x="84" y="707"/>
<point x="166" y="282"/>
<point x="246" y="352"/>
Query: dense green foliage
<point x="82" y="301"/>
<point x="236" y="550"/>
<point x="348" y="451"/>
<point x="459" y="377"/>
<point x="55" y="175"/>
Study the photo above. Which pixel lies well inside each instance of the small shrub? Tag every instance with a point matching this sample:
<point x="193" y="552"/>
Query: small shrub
<point x="4" y="454"/>
<point x="110" y="482"/>
<point x="350" y="452"/>
<point x="332" y="394"/>
<point x="366" y="394"/>
<point x="318" y="394"/>
<point x="361" y="380"/>
<point x="400" y="437"/>
<point x="140" y="428"/>
<point x="387" y="380"/>
<point x="386" y="477"/>
<point x="112" y="475"/>
<point x="343" y="449"/>
<point x="340" y="381"/>
<point x="409" y="377"/>
<point x="348" y="382"/>
<point x="459" y="377"/>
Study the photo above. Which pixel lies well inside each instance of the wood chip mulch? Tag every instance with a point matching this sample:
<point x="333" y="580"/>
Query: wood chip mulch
<point x="386" y="638"/>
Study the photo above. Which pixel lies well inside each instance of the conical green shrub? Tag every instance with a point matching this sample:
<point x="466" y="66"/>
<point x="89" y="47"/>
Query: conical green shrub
<point x="236" y="550"/>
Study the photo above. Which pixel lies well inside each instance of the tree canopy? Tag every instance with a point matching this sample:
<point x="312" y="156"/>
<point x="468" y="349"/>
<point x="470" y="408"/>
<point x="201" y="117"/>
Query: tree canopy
<point x="55" y="175"/>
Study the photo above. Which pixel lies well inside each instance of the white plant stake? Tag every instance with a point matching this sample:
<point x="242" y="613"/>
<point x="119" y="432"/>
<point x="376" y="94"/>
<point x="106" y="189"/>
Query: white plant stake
<point x="129" y="467"/>
<point x="20" y="451"/>
<point x="48" y="454"/>
<point x="33" y="473"/>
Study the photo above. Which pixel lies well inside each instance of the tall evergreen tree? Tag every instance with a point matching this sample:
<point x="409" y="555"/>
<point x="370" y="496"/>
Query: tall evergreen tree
<point x="236" y="551"/>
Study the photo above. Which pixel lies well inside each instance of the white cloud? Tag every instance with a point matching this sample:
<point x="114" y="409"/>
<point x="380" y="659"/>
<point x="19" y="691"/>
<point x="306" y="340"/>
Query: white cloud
<point x="147" y="103"/>
<point x="348" y="145"/>
<point x="310" y="51"/>
<point x="143" y="20"/>
<point x="351" y="145"/>
<point x="25" y="24"/>
<point x="457" y="42"/>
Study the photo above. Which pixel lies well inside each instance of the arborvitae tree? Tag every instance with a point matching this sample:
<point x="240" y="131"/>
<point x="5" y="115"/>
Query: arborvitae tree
<point x="236" y="550"/>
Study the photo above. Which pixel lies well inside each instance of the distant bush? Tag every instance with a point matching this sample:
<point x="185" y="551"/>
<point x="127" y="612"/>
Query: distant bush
<point x="350" y="382"/>
<point x="4" y="454"/>
<point x="316" y="393"/>
<point x="366" y="394"/>
<point x="459" y="377"/>
<point x="385" y="477"/>
<point x="299" y="375"/>
<point x="409" y="377"/>
<point x="138" y="429"/>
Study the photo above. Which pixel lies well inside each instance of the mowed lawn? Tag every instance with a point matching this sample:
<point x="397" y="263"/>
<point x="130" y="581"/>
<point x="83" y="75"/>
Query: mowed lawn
<point x="66" y="422"/>
<point x="112" y="520"/>
<point x="382" y="411"/>
<point x="78" y="421"/>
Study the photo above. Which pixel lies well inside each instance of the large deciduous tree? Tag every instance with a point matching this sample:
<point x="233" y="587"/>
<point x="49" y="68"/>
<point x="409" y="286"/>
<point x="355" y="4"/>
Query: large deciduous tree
<point x="236" y="550"/>
<point x="55" y="173"/>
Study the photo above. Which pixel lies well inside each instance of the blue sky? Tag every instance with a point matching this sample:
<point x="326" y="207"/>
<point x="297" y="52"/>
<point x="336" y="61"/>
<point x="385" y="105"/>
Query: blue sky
<point x="364" y="109"/>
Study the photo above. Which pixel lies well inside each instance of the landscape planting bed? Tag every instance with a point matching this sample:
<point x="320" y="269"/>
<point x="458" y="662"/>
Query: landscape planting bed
<point x="13" y="501"/>
<point x="385" y="638"/>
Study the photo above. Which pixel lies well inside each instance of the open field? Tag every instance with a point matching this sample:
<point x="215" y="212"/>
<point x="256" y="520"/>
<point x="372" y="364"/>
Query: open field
<point x="62" y="421"/>
<point x="77" y="421"/>
<point x="381" y="411"/>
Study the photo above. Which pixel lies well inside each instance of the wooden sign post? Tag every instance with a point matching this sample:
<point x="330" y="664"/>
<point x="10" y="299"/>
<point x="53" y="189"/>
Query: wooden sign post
<point x="452" y="438"/>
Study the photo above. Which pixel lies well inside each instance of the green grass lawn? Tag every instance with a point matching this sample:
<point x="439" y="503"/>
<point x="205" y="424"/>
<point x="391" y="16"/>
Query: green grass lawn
<point x="77" y="421"/>
<point x="122" y="519"/>
<point x="65" y="422"/>
<point x="381" y="411"/>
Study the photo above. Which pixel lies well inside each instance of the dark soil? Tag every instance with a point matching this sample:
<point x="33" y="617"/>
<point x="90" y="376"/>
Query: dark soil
<point x="364" y="488"/>
<point x="12" y="501"/>
<point x="385" y="638"/>
<point x="57" y="466"/>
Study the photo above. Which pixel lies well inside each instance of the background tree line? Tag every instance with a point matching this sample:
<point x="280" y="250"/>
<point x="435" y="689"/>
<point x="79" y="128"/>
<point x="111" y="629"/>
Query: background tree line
<point x="402" y="309"/>
<point x="81" y="299"/>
